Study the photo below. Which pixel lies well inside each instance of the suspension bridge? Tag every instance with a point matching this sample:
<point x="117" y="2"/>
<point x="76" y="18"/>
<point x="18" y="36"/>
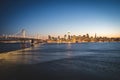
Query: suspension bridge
<point x="21" y="36"/>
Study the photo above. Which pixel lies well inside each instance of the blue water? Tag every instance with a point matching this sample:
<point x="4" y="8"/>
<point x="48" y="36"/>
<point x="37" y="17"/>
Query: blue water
<point x="6" y="47"/>
<point x="65" y="61"/>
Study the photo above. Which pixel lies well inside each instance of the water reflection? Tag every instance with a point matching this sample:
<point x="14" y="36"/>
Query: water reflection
<point x="69" y="53"/>
<point x="69" y="46"/>
<point x="35" y="55"/>
<point x="19" y="56"/>
<point x="63" y="58"/>
<point x="48" y="52"/>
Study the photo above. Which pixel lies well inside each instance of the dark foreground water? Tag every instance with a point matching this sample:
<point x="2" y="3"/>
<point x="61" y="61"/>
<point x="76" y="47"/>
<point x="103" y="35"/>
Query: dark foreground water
<point x="81" y="61"/>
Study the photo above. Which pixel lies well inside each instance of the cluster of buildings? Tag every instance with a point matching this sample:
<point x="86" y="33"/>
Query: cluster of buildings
<point x="78" y="39"/>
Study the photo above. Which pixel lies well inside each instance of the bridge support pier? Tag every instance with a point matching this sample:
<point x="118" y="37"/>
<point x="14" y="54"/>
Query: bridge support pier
<point x="23" y="44"/>
<point x="32" y="42"/>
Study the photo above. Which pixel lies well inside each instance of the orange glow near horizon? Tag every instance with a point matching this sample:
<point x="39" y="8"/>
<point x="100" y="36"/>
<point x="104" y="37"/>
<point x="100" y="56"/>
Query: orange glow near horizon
<point x="102" y="35"/>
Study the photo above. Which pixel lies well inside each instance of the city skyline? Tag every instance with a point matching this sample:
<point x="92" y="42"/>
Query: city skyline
<point x="56" y="18"/>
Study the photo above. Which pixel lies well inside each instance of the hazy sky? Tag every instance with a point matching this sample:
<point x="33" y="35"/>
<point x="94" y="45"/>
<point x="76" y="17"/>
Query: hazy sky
<point x="57" y="17"/>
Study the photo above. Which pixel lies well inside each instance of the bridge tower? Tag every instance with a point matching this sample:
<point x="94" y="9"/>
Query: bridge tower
<point x="38" y="36"/>
<point x="23" y="33"/>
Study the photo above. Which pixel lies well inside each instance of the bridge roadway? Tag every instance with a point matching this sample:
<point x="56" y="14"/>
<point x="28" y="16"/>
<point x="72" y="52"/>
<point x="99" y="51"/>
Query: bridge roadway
<point x="20" y="39"/>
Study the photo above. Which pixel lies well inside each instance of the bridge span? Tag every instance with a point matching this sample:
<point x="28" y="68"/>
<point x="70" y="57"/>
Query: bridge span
<point x="21" y="37"/>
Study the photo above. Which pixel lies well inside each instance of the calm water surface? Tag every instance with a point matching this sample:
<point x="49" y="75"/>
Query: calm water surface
<point x="63" y="62"/>
<point x="6" y="47"/>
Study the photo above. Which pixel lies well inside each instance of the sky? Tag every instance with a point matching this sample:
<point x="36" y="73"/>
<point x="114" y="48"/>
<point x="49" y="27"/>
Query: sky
<point x="57" y="17"/>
